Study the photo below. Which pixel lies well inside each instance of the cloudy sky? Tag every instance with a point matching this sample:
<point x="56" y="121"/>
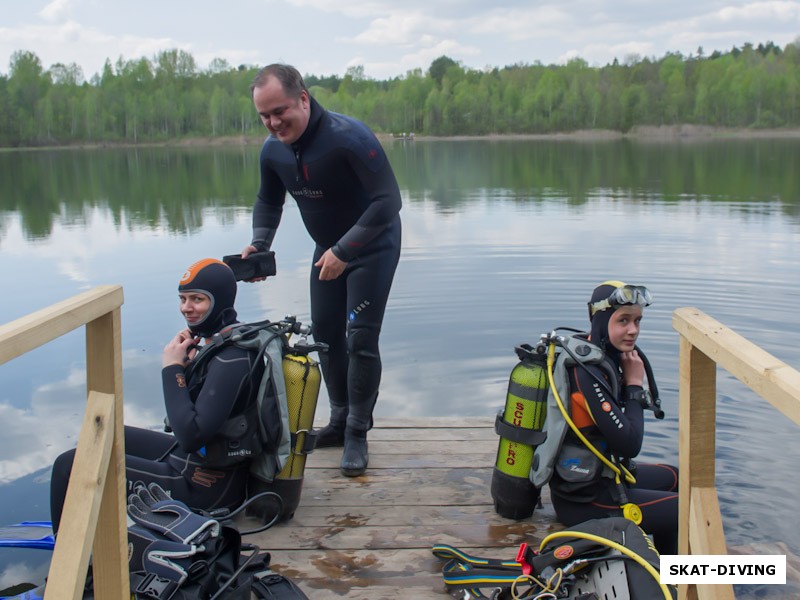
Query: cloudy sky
<point x="387" y="37"/>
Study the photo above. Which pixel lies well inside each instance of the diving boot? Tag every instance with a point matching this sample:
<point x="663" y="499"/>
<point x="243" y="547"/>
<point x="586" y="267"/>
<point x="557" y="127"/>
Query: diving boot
<point x="330" y="436"/>
<point x="354" y="457"/>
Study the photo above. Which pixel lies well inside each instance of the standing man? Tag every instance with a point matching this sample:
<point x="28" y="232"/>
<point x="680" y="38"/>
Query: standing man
<point x="348" y="196"/>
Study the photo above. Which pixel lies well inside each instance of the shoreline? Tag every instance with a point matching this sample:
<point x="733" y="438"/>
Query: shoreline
<point x="664" y="133"/>
<point x="643" y="133"/>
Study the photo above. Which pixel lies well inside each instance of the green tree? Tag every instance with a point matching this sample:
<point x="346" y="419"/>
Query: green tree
<point x="439" y="68"/>
<point x="27" y="86"/>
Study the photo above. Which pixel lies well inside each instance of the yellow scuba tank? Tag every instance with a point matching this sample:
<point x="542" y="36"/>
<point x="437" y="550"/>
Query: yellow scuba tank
<point x="519" y="426"/>
<point x="302" y="379"/>
<point x="302" y="376"/>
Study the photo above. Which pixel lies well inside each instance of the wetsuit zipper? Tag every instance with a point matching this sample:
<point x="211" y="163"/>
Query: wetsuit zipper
<point x="299" y="164"/>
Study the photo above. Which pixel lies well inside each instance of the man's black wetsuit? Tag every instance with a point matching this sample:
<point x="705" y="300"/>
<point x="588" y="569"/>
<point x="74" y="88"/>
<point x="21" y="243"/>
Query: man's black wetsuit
<point x="617" y="427"/>
<point x="349" y="200"/>
<point x="196" y="411"/>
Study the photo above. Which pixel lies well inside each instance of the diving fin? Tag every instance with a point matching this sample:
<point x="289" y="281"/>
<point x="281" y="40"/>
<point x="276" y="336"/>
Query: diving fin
<point x="30" y="592"/>
<point x="28" y="534"/>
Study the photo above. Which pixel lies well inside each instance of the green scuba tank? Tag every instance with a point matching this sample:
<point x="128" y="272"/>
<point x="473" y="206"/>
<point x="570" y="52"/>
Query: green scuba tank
<point x="519" y="426"/>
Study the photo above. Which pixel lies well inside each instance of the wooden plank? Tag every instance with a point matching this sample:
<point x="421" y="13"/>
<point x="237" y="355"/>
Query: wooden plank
<point x="769" y="377"/>
<point x="370" y="575"/>
<point x="398" y="487"/>
<point x="428" y="515"/>
<point x="426" y="422"/>
<point x="696" y="434"/>
<point x="38" y="328"/>
<point x="104" y="374"/>
<point x="706" y="536"/>
<point x="410" y="536"/>
<point x="355" y="528"/>
<point x="428" y="454"/>
<point x="322" y="459"/>
<point x="440" y="434"/>
<point x="82" y="504"/>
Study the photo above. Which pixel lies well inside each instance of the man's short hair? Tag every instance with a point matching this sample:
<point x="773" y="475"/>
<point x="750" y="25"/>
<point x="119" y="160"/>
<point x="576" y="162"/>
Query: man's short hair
<point x="290" y="79"/>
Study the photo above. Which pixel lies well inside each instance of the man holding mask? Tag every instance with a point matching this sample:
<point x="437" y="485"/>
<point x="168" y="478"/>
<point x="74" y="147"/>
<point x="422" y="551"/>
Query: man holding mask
<point x="339" y="175"/>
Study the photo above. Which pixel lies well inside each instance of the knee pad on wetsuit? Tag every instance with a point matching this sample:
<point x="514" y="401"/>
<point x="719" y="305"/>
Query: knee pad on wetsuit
<point x="362" y="341"/>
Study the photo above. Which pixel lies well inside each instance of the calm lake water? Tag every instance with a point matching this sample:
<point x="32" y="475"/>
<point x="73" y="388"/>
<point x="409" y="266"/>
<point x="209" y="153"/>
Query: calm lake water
<point x="502" y="241"/>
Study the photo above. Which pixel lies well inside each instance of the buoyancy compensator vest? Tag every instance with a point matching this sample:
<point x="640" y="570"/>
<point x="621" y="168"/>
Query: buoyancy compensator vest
<point x="274" y="430"/>
<point x="302" y="380"/>
<point x="570" y="351"/>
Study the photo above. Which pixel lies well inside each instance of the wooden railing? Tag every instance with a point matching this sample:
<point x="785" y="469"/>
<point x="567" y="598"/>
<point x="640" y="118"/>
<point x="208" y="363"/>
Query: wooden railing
<point x="93" y="522"/>
<point x="705" y="344"/>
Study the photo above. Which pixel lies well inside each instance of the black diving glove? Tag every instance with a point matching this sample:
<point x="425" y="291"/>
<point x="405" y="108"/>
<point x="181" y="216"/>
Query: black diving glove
<point x="150" y="553"/>
<point x="153" y="509"/>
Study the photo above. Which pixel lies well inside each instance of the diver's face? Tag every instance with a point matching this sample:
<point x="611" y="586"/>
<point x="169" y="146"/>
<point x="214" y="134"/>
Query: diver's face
<point x="194" y="306"/>
<point x="623" y="328"/>
<point x="286" y="118"/>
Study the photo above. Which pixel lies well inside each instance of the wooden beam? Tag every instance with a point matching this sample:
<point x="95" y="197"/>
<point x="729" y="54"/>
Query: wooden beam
<point x="696" y="434"/>
<point x="70" y="561"/>
<point x="706" y="536"/>
<point x="38" y="328"/>
<point x="104" y="373"/>
<point x="769" y="377"/>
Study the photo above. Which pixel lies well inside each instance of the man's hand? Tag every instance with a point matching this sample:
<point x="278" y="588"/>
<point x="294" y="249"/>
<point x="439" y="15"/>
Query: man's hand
<point x="247" y="251"/>
<point x="330" y="267"/>
<point x="180" y="349"/>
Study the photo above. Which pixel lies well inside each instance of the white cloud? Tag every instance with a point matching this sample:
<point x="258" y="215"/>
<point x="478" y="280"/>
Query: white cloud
<point x="769" y="11"/>
<point x="400" y="29"/>
<point x="56" y="10"/>
<point x="520" y="24"/>
<point x="336" y="32"/>
<point x="349" y="8"/>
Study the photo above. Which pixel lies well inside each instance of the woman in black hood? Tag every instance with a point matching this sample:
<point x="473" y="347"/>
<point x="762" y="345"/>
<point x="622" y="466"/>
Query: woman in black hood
<point x="607" y="403"/>
<point x="198" y="404"/>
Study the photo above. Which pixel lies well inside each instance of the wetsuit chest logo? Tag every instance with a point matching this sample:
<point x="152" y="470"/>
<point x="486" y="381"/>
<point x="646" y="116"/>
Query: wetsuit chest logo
<point x="310" y="193"/>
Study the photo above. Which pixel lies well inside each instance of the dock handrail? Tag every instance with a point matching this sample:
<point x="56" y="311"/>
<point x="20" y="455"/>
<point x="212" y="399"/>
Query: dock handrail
<point x="705" y="344"/>
<point x="93" y="521"/>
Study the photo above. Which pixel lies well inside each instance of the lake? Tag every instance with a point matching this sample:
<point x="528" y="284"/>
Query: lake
<point x="502" y="240"/>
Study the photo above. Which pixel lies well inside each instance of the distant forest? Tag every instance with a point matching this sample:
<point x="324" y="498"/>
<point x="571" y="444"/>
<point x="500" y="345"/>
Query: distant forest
<point x="168" y="97"/>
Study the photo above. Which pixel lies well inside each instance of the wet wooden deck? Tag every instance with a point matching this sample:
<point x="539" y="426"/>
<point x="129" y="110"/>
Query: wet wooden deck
<point x="428" y="482"/>
<point x="370" y="537"/>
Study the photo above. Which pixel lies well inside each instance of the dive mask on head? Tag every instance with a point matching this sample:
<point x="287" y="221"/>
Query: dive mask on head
<point x="626" y="295"/>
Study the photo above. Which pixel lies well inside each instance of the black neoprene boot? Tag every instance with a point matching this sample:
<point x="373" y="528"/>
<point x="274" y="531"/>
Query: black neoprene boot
<point x="354" y="456"/>
<point x="330" y="436"/>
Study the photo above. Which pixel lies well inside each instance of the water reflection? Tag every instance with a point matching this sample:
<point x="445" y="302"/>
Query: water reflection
<point x="501" y="241"/>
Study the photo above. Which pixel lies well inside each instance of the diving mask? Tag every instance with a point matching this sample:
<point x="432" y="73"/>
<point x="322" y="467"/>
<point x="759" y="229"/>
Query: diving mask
<point x="625" y="295"/>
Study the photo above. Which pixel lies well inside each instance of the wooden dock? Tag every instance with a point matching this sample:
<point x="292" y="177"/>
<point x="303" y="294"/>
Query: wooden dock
<point x="428" y="482"/>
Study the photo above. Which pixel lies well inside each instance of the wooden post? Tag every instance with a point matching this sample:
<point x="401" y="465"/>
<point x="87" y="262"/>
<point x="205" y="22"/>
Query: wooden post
<point x="70" y="561"/>
<point x="706" y="344"/>
<point x="104" y="373"/>
<point x="696" y="438"/>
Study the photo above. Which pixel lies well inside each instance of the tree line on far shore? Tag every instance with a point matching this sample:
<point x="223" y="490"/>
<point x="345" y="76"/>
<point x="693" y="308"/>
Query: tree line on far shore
<point x="168" y="97"/>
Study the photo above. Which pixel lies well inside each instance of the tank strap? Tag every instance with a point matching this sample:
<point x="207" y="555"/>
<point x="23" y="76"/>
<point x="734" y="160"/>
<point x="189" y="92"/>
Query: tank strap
<point x="304" y="441"/>
<point x="516" y="433"/>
